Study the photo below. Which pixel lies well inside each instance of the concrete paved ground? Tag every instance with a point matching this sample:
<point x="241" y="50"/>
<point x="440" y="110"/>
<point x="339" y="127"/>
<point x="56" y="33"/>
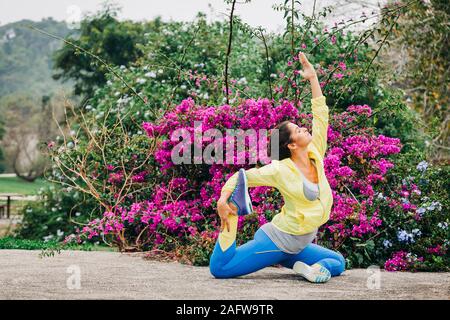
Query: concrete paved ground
<point x="112" y="275"/>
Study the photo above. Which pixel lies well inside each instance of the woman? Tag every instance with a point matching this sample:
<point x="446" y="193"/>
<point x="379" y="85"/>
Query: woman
<point x="299" y="176"/>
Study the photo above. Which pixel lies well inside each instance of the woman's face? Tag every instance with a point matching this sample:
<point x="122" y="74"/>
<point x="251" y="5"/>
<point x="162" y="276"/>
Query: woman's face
<point x="300" y="136"/>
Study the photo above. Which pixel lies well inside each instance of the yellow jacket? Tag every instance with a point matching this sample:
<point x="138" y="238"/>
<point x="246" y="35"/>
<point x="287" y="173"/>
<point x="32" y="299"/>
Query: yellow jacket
<point x="298" y="215"/>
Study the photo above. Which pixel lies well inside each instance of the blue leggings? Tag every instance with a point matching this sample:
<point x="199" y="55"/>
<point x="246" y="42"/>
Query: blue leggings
<point x="261" y="252"/>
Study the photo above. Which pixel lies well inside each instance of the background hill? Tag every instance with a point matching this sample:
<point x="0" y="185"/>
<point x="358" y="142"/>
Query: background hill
<point x="26" y="57"/>
<point x="26" y="83"/>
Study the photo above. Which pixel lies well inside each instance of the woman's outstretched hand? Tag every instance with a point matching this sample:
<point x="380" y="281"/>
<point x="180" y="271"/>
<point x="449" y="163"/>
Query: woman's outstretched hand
<point x="224" y="210"/>
<point x="308" y="72"/>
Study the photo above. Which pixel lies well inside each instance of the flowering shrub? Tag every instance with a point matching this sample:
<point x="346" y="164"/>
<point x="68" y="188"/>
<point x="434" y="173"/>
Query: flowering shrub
<point x="417" y="218"/>
<point x="55" y="216"/>
<point x="181" y="213"/>
<point x="402" y="261"/>
<point x="145" y="202"/>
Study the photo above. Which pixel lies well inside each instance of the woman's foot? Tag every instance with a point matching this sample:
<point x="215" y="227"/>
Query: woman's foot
<point x="315" y="273"/>
<point x="240" y="196"/>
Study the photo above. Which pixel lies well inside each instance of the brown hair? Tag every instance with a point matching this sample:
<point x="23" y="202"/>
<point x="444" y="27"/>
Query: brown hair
<point x="284" y="136"/>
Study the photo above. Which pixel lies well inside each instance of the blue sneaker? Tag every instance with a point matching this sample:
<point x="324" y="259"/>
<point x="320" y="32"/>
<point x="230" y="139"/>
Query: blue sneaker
<point x="240" y="196"/>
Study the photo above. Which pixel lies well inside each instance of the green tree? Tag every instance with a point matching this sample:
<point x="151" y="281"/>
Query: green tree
<point x="2" y="132"/>
<point x="102" y="34"/>
<point x="420" y="56"/>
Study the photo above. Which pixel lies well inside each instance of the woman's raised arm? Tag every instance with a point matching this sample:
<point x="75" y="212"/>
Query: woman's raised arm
<point x="319" y="106"/>
<point x="309" y="74"/>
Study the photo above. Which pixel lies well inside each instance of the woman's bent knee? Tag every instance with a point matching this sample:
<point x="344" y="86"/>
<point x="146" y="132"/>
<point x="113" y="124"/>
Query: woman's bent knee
<point x="217" y="271"/>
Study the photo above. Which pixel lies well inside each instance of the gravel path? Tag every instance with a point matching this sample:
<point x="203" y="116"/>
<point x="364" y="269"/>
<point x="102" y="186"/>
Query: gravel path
<point x="112" y="275"/>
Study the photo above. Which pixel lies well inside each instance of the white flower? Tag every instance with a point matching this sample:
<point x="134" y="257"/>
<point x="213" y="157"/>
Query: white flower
<point x="422" y="166"/>
<point x="53" y="209"/>
<point x="387" y="243"/>
<point x="404" y="236"/>
<point x="443" y="225"/>
<point x="420" y="211"/>
<point x="160" y="71"/>
<point x="47" y="238"/>
<point x="150" y="74"/>
<point x="242" y="80"/>
<point x="435" y="205"/>
<point x="141" y="80"/>
<point x="77" y="214"/>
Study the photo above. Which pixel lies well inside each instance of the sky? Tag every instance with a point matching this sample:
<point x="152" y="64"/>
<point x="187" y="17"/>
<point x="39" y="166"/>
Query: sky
<point x="256" y="13"/>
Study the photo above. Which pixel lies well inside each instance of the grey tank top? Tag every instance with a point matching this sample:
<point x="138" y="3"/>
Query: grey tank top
<point x="310" y="189"/>
<point x="290" y="243"/>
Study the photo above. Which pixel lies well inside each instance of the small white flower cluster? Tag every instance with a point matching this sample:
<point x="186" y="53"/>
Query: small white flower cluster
<point x="199" y="65"/>
<point x="242" y="81"/>
<point x="151" y="74"/>
<point x="435" y="205"/>
<point x="167" y="32"/>
<point x="100" y="115"/>
<point x="123" y="101"/>
<point x="404" y="236"/>
<point x="387" y="243"/>
<point x="48" y="238"/>
<point x="422" y="166"/>
<point x="443" y="225"/>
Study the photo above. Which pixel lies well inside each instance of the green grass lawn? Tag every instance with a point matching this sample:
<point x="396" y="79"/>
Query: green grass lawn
<point x="16" y="185"/>
<point x="25" y="244"/>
